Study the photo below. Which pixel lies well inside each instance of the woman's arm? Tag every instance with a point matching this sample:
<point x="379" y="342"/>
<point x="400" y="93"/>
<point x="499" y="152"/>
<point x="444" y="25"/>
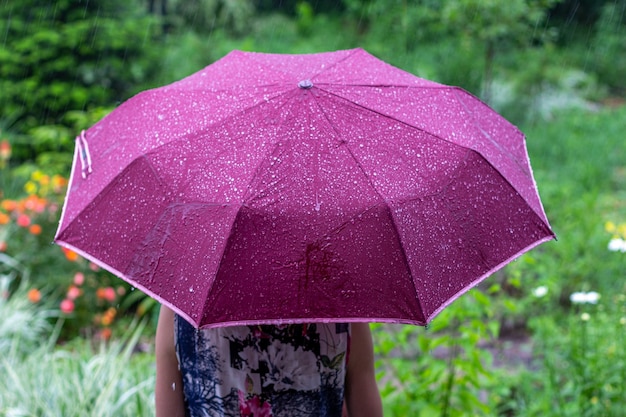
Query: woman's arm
<point x="362" y="396"/>
<point x="168" y="391"/>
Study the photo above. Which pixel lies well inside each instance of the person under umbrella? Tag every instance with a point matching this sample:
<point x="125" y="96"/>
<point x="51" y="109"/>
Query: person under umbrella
<point x="265" y="370"/>
<point x="269" y="199"/>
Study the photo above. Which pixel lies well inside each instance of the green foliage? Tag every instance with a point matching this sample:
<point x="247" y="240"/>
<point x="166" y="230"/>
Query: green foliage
<point x="578" y="160"/>
<point x="24" y="324"/>
<point x="91" y="299"/>
<point x="608" y="47"/>
<point x="68" y="56"/>
<point x="470" y="32"/>
<point x="581" y="363"/>
<point x="440" y="370"/>
<point x="205" y="16"/>
<point x="78" y="380"/>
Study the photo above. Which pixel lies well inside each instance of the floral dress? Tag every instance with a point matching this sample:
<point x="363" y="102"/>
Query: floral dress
<point x="266" y="370"/>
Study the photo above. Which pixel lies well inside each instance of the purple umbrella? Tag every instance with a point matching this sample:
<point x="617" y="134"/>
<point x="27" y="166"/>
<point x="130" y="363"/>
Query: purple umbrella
<point x="272" y="188"/>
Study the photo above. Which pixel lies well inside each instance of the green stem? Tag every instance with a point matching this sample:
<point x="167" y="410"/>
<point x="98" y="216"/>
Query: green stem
<point x="445" y="412"/>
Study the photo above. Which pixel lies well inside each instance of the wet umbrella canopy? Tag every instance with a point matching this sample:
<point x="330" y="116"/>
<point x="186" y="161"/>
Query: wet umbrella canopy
<point x="288" y="188"/>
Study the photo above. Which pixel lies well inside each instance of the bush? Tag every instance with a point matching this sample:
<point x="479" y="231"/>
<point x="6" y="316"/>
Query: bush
<point x="89" y="298"/>
<point x="608" y="47"/>
<point x="68" y="56"/>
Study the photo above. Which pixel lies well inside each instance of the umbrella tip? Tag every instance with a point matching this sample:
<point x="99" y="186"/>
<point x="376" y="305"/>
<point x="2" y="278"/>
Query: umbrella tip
<point x="305" y="84"/>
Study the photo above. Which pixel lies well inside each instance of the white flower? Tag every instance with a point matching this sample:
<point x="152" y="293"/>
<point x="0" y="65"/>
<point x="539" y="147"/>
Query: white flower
<point x="590" y="297"/>
<point x="617" y="245"/>
<point x="585" y="317"/>
<point x="289" y="369"/>
<point x="540" y="291"/>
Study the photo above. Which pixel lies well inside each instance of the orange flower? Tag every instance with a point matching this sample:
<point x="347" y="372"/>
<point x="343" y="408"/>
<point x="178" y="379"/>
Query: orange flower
<point x="70" y="254"/>
<point x="3" y="246"/>
<point x="67" y="306"/>
<point x="5" y="150"/>
<point x="34" y="295"/>
<point x="35" y="229"/>
<point x="105" y="334"/>
<point x="58" y="182"/>
<point x="108" y="316"/>
<point x="9" y="205"/>
<point x="107" y="294"/>
<point x="4" y="218"/>
<point x="23" y="220"/>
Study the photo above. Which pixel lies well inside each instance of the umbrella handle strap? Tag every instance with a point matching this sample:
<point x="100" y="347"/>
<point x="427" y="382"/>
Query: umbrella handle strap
<point x="83" y="154"/>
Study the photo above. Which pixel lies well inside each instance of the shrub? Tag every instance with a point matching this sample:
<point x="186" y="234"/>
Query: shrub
<point x="68" y="56"/>
<point x="89" y="298"/>
<point x="608" y="46"/>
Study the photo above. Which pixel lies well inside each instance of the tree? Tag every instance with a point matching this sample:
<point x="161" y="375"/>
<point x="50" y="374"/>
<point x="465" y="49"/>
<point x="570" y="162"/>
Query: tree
<point x="519" y="23"/>
<point x="487" y="23"/>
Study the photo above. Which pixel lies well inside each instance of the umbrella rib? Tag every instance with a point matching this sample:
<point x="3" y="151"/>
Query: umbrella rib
<point x="380" y="113"/>
<point x="384" y="201"/>
<point x="488" y="136"/>
<point x="511" y="157"/>
<point x="211" y="126"/>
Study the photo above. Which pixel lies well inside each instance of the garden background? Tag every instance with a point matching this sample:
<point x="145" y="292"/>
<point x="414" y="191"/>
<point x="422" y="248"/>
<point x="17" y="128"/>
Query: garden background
<point x="543" y="337"/>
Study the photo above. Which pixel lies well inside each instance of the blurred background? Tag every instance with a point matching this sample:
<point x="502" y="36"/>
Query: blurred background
<point x="543" y="337"/>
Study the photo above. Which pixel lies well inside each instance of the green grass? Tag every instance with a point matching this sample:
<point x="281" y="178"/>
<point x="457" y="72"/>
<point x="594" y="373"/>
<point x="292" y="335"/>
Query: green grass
<point x="78" y="380"/>
<point x="40" y="378"/>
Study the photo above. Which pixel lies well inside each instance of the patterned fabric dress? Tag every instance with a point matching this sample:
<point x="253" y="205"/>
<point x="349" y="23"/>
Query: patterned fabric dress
<point x="270" y="370"/>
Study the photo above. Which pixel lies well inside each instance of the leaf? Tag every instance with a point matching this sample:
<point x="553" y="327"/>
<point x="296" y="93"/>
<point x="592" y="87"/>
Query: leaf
<point x="333" y="363"/>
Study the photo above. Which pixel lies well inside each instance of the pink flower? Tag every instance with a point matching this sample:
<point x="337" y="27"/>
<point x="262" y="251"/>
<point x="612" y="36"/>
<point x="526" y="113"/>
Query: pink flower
<point x="73" y="292"/>
<point x="253" y="406"/>
<point x="67" y="306"/>
<point x="79" y="278"/>
<point x="23" y="220"/>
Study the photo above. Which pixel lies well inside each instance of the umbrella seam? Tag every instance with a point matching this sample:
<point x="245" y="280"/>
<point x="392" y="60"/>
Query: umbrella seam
<point x="246" y="195"/>
<point x="455" y="92"/>
<point x="384" y="202"/>
<point x="388" y="116"/>
<point x="108" y="188"/>
<point x="217" y="270"/>
<point x="262" y="160"/>
<point x="210" y="126"/>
